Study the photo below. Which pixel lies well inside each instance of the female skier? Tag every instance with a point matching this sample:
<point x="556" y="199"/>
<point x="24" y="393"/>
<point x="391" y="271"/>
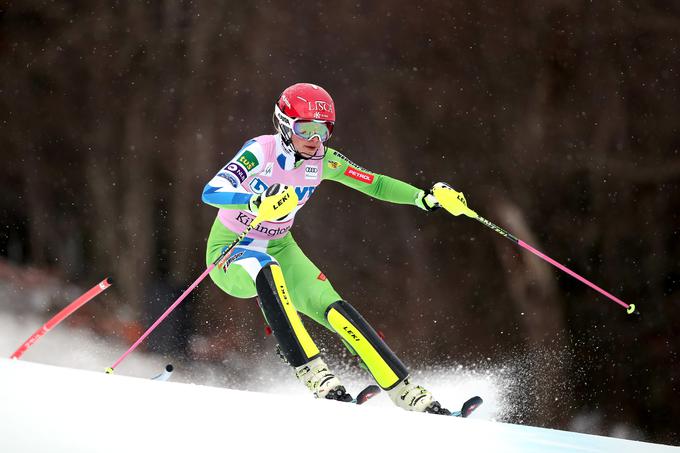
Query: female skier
<point x="269" y="264"/>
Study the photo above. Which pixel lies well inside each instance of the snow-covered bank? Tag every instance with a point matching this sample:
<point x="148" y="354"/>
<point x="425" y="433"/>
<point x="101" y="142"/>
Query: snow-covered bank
<point x="262" y="372"/>
<point x="55" y="409"/>
<point x="69" y="346"/>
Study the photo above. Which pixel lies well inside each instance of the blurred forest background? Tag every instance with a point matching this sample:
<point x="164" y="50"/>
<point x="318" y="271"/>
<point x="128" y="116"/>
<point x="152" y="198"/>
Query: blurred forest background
<point x="557" y="119"/>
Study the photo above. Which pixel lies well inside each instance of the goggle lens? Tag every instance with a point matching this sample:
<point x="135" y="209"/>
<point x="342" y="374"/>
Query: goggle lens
<point x="311" y="129"/>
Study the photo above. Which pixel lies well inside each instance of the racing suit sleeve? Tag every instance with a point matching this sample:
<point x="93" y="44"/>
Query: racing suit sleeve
<point x="225" y="190"/>
<point x="338" y="168"/>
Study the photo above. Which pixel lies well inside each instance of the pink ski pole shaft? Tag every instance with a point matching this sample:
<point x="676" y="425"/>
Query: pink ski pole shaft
<point x="630" y="308"/>
<point x="162" y="317"/>
<point x="205" y="273"/>
<point x="63" y="314"/>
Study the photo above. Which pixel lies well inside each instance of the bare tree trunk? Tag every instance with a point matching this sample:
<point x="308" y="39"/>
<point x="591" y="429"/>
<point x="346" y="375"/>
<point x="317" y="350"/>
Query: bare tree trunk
<point x="532" y="285"/>
<point x="192" y="154"/>
<point x="37" y="210"/>
<point x="137" y="209"/>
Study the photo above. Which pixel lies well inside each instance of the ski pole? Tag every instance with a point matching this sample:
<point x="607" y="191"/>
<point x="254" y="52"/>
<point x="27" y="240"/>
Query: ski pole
<point x="209" y="269"/>
<point x="283" y="204"/>
<point x="454" y="202"/>
<point x="63" y="314"/>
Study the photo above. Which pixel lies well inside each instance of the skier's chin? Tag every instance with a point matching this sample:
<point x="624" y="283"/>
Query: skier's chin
<point x="308" y="151"/>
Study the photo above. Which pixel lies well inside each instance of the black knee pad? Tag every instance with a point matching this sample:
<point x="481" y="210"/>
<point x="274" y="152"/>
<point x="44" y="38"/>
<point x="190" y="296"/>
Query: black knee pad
<point x="294" y="340"/>
<point x="385" y="367"/>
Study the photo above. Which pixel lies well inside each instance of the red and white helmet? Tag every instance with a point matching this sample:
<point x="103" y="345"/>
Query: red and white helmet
<point x="306" y="110"/>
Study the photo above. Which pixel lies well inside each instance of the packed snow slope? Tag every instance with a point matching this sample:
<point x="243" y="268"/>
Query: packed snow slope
<point x="55" y="409"/>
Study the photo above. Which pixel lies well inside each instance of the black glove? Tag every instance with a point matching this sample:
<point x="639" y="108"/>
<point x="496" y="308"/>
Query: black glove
<point x="427" y="201"/>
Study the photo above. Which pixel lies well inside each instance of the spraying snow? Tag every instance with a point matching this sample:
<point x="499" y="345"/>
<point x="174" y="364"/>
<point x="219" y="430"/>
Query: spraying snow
<point x="48" y="408"/>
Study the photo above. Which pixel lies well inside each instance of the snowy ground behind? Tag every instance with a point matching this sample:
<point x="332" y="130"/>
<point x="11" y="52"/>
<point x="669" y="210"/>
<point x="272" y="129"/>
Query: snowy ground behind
<point x="73" y="406"/>
<point x="56" y="409"/>
<point x="70" y="347"/>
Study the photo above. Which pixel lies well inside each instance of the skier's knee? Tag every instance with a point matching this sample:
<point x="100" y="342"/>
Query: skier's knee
<point x="280" y="313"/>
<point x="383" y="364"/>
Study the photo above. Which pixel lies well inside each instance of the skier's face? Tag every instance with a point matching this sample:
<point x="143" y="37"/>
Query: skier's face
<point x="307" y="148"/>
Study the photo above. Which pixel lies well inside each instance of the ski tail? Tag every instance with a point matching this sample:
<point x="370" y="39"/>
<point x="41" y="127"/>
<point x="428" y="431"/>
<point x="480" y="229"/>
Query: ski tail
<point x="165" y="375"/>
<point x="468" y="407"/>
<point x="366" y="394"/>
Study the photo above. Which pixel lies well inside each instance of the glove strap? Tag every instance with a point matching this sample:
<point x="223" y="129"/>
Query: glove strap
<point x="427" y="201"/>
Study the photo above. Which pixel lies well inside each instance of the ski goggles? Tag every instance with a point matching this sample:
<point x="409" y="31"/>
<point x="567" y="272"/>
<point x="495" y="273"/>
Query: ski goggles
<point x="308" y="129"/>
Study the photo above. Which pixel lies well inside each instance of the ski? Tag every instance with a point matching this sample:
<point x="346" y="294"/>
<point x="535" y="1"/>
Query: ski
<point x="165" y="375"/>
<point x="468" y="407"/>
<point x="366" y="394"/>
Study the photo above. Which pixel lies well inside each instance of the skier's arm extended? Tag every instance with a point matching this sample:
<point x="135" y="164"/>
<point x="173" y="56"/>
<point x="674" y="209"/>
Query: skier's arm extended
<point x="339" y="168"/>
<point x="225" y="189"/>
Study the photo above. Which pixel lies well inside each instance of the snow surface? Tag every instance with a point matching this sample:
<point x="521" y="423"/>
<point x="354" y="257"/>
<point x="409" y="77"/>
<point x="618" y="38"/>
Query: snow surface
<point x="46" y="408"/>
<point x="262" y="372"/>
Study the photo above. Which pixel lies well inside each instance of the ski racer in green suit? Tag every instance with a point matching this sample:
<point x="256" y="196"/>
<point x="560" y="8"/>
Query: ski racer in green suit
<point x="270" y="265"/>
